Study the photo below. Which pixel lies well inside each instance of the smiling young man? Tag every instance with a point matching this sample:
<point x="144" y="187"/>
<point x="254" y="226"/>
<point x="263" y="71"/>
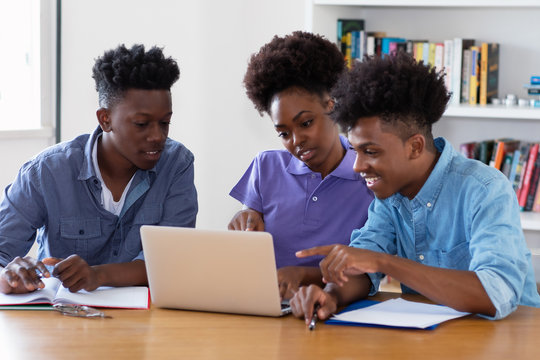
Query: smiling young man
<point x="84" y="200"/>
<point x="452" y="222"/>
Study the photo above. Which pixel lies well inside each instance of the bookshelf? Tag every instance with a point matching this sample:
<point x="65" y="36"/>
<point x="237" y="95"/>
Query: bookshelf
<point x="513" y="24"/>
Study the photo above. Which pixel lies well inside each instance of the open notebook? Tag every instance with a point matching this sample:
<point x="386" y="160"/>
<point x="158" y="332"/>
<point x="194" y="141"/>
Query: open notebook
<point x="129" y="297"/>
<point x="212" y="270"/>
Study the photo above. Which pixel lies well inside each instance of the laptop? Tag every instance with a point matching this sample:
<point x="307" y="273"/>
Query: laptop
<point x="212" y="270"/>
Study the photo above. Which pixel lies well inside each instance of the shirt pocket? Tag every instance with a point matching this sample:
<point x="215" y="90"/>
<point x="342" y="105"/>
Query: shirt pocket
<point x="457" y="258"/>
<point x="79" y="228"/>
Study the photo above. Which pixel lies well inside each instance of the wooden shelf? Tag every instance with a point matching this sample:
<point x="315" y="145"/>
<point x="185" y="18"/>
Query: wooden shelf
<point x="493" y="111"/>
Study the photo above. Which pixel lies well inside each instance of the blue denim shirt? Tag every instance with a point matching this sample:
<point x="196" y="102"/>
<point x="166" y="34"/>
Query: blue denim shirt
<point x="55" y="200"/>
<point x="465" y="217"/>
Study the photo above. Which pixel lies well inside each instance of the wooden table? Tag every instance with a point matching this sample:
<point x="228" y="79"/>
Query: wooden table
<point x="175" y="334"/>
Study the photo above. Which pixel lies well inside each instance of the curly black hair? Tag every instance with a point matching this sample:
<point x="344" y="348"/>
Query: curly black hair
<point x="302" y="60"/>
<point x="121" y="69"/>
<point x="397" y="89"/>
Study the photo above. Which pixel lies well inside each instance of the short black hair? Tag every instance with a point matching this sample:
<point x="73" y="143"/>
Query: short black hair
<point x="301" y="59"/>
<point x="395" y="88"/>
<point x="121" y="69"/>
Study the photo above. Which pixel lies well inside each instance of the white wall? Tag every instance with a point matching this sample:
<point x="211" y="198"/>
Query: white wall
<point x="212" y="41"/>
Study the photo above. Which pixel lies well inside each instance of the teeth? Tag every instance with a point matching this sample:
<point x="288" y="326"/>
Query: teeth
<point x="152" y="152"/>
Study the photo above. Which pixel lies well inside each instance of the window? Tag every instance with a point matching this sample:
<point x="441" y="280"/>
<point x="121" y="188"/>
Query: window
<point x="27" y="67"/>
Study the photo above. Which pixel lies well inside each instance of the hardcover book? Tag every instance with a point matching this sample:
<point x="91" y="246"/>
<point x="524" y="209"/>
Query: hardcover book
<point x="489" y="72"/>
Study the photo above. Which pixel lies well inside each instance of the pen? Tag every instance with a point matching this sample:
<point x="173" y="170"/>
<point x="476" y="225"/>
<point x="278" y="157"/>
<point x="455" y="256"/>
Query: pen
<point x="314" y="318"/>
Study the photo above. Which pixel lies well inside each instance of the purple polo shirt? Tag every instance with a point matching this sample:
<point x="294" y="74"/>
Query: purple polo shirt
<point x="300" y="209"/>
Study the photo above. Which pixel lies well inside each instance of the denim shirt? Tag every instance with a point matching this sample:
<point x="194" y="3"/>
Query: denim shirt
<point x="465" y="217"/>
<point x="56" y="201"/>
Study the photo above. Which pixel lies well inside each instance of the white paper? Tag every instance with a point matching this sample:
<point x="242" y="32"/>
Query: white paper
<point x="401" y="313"/>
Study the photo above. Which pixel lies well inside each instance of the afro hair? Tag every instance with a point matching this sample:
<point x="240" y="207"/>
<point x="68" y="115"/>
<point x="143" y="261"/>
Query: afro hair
<point x="394" y="88"/>
<point x="121" y="69"/>
<point x="302" y="60"/>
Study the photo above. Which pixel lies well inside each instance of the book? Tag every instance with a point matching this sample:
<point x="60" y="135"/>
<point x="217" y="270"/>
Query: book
<point x="489" y="72"/>
<point x="535" y="80"/>
<point x="513" y="166"/>
<point x="527" y="175"/>
<point x="129" y="297"/>
<point x="473" y="78"/>
<point x="468" y="149"/>
<point x="536" y="203"/>
<point x="345" y="26"/>
<point x="485" y="150"/>
<point x="373" y="42"/>
<point x="533" y="185"/>
<point x="522" y="161"/>
<point x="460" y="45"/>
<point x="395" y="313"/>
<point x="448" y="59"/>
<point x="385" y="45"/>
<point x="500" y="149"/>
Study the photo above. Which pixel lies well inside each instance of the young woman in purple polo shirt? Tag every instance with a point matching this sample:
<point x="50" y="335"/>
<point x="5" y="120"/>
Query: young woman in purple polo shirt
<point x="307" y="195"/>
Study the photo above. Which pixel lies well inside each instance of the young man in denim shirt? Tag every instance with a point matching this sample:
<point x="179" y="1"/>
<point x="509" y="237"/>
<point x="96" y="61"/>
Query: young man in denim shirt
<point x="445" y="226"/>
<point x="84" y="200"/>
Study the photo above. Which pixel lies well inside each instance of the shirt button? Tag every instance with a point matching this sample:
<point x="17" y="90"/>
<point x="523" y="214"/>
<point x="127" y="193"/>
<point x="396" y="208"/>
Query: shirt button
<point x="314" y="198"/>
<point x="421" y="257"/>
<point x="313" y="176"/>
<point x="81" y="232"/>
<point x="428" y="204"/>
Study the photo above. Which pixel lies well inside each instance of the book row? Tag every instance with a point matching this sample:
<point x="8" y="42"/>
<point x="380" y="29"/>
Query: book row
<point x="471" y="67"/>
<point x="518" y="160"/>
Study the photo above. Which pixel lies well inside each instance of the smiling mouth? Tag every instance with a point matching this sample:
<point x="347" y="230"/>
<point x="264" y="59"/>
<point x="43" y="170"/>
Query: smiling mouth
<point x="305" y="155"/>
<point x="370" y="180"/>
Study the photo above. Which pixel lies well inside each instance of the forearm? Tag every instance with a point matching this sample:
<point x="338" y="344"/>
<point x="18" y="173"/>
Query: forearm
<point x="123" y="274"/>
<point x="458" y="289"/>
<point x="353" y="290"/>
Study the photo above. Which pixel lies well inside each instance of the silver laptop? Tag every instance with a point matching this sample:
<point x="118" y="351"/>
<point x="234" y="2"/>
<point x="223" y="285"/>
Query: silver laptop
<point x="212" y="270"/>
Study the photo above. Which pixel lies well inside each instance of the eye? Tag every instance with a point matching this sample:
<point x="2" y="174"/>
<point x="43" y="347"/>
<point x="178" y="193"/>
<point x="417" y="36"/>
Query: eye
<point x="140" y="124"/>
<point x="283" y="134"/>
<point x="165" y="123"/>
<point x="370" y="152"/>
<point x="307" y="123"/>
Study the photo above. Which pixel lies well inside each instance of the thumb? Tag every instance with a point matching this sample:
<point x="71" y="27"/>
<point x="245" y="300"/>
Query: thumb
<point x="51" y="261"/>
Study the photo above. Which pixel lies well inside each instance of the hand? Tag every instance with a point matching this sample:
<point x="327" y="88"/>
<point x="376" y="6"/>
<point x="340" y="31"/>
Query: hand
<point x="74" y="272"/>
<point x="304" y="301"/>
<point x="21" y="276"/>
<point x="342" y="261"/>
<point x="290" y="278"/>
<point x="247" y="220"/>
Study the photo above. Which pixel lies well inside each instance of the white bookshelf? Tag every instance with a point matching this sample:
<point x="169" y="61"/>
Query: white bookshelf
<point x="513" y="24"/>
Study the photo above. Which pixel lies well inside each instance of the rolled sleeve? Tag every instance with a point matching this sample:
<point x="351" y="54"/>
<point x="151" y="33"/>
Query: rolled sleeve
<point x="497" y="247"/>
<point x="378" y="234"/>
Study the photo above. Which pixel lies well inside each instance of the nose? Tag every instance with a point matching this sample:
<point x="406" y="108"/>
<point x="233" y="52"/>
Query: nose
<point x="155" y="133"/>
<point x="360" y="165"/>
<point x="298" y="138"/>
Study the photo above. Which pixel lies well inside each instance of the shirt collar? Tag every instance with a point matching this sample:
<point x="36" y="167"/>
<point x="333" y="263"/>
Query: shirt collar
<point x="431" y="189"/>
<point x="344" y="169"/>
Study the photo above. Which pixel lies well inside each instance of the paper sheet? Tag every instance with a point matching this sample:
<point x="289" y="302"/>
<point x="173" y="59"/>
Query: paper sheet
<point x="401" y="313"/>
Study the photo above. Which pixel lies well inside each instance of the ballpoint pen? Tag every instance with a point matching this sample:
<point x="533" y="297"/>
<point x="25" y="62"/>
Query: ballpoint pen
<point x="314" y="318"/>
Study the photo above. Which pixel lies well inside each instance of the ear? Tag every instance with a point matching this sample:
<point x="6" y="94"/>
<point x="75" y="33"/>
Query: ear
<point x="104" y="119"/>
<point x="330" y="103"/>
<point x="416" y="145"/>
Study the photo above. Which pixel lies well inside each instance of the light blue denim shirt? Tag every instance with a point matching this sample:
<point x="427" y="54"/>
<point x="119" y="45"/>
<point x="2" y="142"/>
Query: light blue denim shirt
<point x="465" y="217"/>
<point x="56" y="201"/>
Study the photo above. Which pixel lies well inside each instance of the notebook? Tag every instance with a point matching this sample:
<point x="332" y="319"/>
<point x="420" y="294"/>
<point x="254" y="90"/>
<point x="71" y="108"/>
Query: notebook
<point x="212" y="270"/>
